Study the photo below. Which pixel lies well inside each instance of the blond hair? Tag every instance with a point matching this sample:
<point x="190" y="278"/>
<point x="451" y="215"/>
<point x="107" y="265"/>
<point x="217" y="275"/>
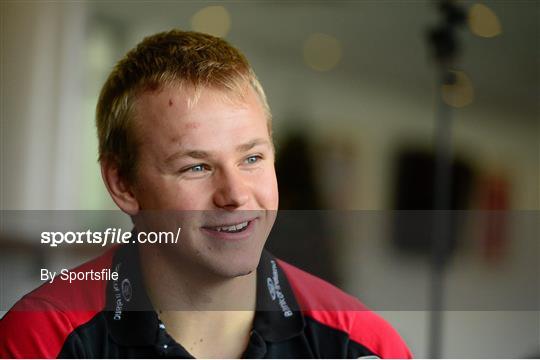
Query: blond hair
<point x="183" y="58"/>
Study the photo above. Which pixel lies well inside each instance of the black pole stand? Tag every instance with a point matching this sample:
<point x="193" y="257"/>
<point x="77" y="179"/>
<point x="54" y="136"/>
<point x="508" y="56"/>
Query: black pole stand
<point x="444" y="46"/>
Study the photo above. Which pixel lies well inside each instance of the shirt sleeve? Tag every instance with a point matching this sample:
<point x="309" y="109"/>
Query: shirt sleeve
<point x="375" y="333"/>
<point x="33" y="329"/>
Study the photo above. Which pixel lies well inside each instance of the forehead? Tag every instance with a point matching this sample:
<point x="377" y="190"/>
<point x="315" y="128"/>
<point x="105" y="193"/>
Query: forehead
<point x="180" y="115"/>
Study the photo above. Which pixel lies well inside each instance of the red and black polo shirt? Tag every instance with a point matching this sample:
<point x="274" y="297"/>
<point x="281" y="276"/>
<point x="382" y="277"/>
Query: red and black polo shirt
<point x="298" y="316"/>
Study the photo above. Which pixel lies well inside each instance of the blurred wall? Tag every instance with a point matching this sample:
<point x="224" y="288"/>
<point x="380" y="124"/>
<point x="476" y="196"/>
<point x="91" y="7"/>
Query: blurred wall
<point x="380" y="95"/>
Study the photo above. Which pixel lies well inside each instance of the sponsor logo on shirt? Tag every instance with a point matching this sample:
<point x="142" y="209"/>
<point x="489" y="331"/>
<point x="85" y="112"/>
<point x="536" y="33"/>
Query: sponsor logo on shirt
<point x="274" y="289"/>
<point x="271" y="288"/>
<point x="118" y="290"/>
<point x="127" y="292"/>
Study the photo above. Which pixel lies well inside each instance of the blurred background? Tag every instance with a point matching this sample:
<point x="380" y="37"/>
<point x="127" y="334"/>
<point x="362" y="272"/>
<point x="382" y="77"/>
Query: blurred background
<point x="354" y="96"/>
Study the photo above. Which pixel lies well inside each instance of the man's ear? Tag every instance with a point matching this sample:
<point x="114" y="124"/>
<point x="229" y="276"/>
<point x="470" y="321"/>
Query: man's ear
<point x="119" y="188"/>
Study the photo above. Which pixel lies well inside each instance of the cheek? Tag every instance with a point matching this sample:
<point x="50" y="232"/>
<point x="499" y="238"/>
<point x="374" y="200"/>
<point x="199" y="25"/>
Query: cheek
<point x="186" y="197"/>
<point x="267" y="190"/>
<point x="165" y="193"/>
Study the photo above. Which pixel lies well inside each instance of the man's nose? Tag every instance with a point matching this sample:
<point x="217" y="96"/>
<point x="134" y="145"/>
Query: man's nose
<point x="231" y="191"/>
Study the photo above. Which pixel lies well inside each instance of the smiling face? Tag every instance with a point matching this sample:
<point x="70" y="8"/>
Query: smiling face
<point x="213" y="165"/>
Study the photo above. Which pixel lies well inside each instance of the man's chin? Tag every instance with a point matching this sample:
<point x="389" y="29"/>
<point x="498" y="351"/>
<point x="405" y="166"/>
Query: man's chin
<point x="230" y="261"/>
<point x="232" y="269"/>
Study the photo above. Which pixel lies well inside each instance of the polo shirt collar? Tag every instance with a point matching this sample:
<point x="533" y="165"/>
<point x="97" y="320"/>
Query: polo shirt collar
<point x="130" y="314"/>
<point x="278" y="316"/>
<point x="133" y="321"/>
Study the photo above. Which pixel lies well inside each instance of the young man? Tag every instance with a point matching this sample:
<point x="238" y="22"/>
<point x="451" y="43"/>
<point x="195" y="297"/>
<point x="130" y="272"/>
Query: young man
<point x="185" y="142"/>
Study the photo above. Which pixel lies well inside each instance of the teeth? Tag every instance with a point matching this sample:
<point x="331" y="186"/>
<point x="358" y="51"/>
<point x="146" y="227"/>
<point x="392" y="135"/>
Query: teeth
<point x="232" y="227"/>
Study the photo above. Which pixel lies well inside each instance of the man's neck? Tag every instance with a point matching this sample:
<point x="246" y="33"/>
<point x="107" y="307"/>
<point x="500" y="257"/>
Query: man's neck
<point x="210" y="316"/>
<point x="210" y="334"/>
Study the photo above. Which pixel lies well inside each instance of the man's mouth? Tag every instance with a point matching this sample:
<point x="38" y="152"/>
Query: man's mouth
<point x="232" y="228"/>
<point x="223" y="230"/>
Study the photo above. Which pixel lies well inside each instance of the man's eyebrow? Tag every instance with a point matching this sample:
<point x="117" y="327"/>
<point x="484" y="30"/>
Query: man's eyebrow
<point x="250" y="145"/>
<point x="196" y="154"/>
<point x="201" y="154"/>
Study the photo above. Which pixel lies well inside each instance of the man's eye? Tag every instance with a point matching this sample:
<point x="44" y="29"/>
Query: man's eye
<point x="253" y="159"/>
<point x="197" y="168"/>
<point x="194" y="169"/>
